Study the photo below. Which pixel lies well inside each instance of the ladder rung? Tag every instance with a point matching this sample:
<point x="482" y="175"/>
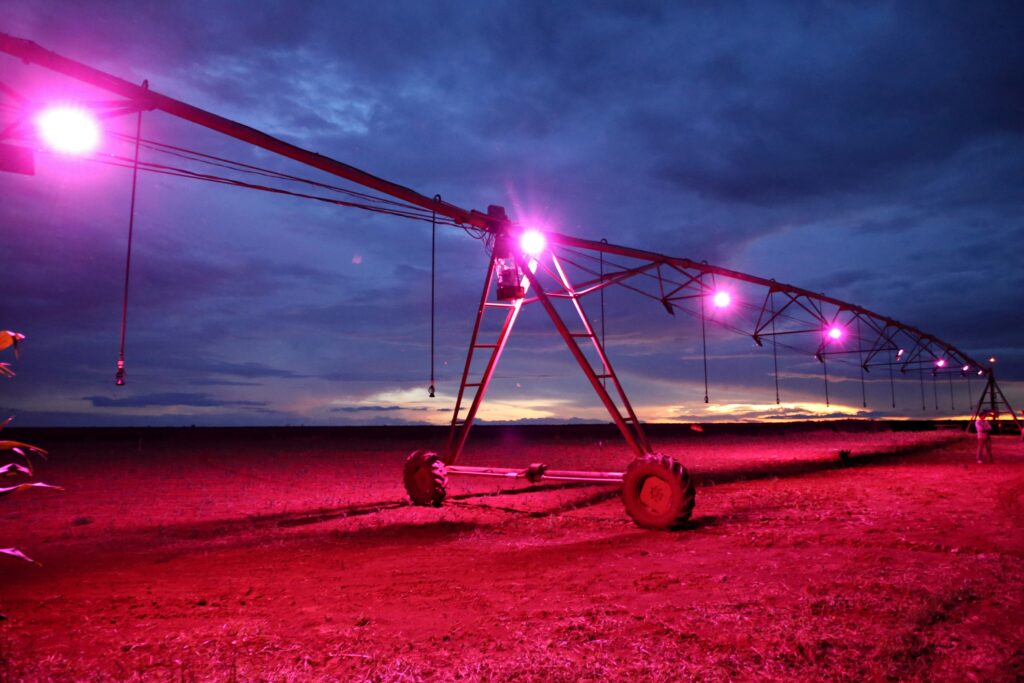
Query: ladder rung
<point x="604" y="376"/>
<point x="492" y="304"/>
<point x="582" y="334"/>
<point x="472" y="384"/>
<point x="485" y="346"/>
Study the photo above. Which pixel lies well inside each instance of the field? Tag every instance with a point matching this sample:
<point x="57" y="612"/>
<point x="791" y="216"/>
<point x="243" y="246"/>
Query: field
<point x="237" y="555"/>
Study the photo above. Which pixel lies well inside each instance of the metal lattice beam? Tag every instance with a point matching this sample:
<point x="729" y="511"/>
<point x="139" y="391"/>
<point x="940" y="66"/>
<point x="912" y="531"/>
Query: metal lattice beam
<point x="677" y="280"/>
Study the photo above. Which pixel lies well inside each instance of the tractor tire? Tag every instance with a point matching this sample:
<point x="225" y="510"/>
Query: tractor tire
<point x="425" y="478"/>
<point x="657" y="492"/>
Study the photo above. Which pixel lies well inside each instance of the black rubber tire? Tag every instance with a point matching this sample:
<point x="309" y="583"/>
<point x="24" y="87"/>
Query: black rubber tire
<point x="658" y="492"/>
<point x="425" y="478"/>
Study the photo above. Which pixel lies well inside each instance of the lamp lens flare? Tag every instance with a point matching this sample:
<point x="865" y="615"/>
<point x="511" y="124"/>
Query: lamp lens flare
<point x="71" y="130"/>
<point x="721" y="299"/>
<point x="940" y="363"/>
<point x="532" y="242"/>
<point x="835" y="332"/>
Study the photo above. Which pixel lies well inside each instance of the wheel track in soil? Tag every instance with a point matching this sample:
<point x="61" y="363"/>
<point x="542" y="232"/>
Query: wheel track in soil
<point x="142" y="543"/>
<point x="913" y="654"/>
<point x="182" y="536"/>
<point x="1010" y="498"/>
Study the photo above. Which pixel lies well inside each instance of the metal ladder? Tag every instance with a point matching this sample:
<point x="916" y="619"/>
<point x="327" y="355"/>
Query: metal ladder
<point x="618" y="406"/>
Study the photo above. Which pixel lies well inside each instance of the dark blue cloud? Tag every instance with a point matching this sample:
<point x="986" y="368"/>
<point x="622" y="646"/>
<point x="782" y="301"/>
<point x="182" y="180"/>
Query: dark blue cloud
<point x="374" y="409"/>
<point x="167" y="400"/>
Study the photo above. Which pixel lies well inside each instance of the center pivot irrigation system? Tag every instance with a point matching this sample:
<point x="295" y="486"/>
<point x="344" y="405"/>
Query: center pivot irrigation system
<point x="555" y="271"/>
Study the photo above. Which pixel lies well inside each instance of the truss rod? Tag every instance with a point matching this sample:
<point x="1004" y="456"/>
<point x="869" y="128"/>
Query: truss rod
<point x="31" y="52"/>
<point x="792" y="292"/>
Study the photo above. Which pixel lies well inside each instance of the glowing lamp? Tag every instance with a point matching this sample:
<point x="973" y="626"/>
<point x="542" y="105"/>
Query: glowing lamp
<point x="532" y="242"/>
<point x="966" y="368"/>
<point x="899" y="353"/>
<point x="835" y="332"/>
<point x="992" y="359"/>
<point x="70" y="130"/>
<point x="940" y="363"/>
<point x="721" y="299"/>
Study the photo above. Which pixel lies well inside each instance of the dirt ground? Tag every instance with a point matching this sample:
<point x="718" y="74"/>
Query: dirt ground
<point x="244" y="555"/>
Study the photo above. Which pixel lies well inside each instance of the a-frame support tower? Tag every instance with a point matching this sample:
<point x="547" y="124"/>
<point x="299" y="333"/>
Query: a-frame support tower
<point x="991" y="400"/>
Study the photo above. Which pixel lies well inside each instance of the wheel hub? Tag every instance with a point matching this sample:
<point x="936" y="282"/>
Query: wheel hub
<point x="656" y="495"/>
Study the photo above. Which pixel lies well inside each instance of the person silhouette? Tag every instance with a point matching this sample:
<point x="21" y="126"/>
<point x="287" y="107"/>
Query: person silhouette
<point x="983" y="430"/>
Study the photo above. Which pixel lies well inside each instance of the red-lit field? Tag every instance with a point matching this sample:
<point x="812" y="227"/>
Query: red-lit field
<point x="290" y="555"/>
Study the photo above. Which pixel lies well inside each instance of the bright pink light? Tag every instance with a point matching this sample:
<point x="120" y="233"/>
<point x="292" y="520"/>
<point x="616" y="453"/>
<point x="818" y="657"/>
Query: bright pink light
<point x="835" y="332"/>
<point x="69" y="129"/>
<point x="721" y="299"/>
<point x="966" y="368"/>
<point x="532" y="242"/>
<point x="941" y="363"/>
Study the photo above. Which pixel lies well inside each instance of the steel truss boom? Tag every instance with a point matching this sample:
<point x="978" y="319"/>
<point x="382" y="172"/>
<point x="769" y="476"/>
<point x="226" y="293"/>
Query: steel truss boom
<point x="678" y="279"/>
<point x="888" y="333"/>
<point x="146" y="99"/>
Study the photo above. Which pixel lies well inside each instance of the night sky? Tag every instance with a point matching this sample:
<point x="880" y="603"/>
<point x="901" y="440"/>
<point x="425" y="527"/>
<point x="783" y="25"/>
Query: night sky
<point x="870" y="151"/>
